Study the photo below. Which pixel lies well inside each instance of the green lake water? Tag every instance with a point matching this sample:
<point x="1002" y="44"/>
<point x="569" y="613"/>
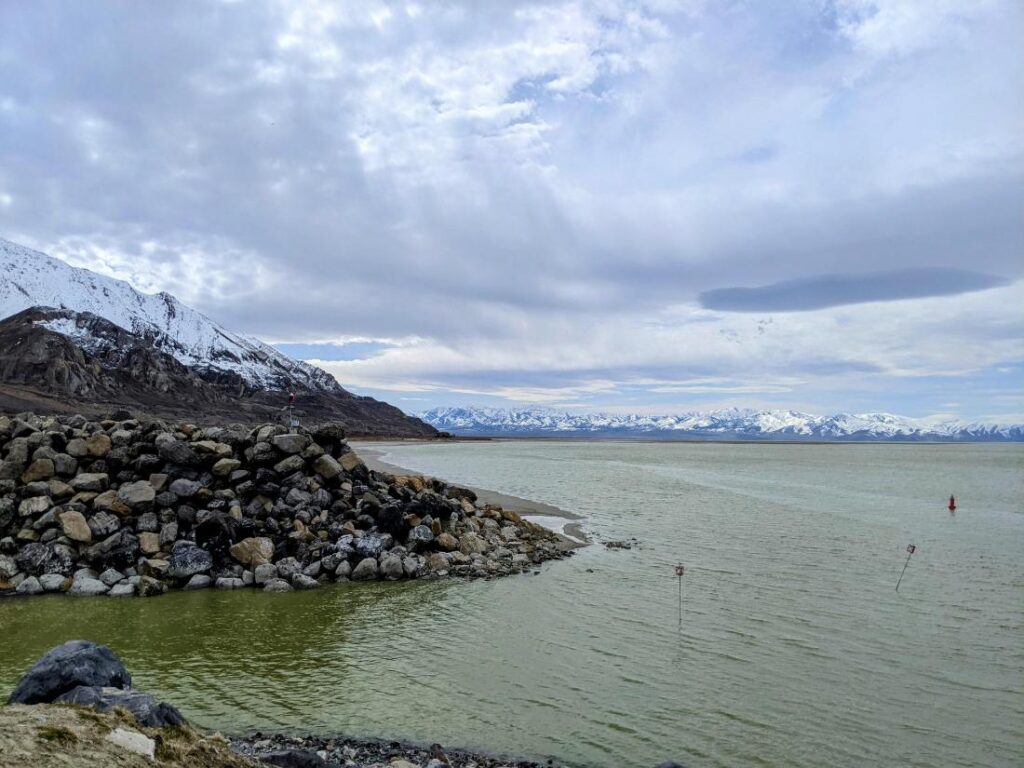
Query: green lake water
<point x="794" y="647"/>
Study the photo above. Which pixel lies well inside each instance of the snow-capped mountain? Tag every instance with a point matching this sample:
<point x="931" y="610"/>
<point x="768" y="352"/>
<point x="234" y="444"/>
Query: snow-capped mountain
<point x="32" y="279"/>
<point x="725" y="424"/>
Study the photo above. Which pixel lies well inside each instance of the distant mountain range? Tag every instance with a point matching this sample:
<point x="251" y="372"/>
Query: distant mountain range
<point x="71" y="338"/>
<point x="731" y="424"/>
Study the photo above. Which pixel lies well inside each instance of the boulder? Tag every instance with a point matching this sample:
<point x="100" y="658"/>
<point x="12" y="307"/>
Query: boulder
<point x="228" y="582"/>
<point x="102" y="524"/>
<point x="277" y="585"/>
<point x="108" y="502"/>
<point x="137" y="495"/>
<point x="124" y="589"/>
<point x="302" y="581"/>
<point x="150" y="586"/>
<point x="111" y="576"/>
<point x="179" y="452"/>
<point x="54" y="582"/>
<point x="224" y="467"/>
<point x="351" y="462"/>
<point x="187" y="560"/>
<point x="149" y="543"/>
<point x="291" y="443"/>
<point x="185" y="489"/>
<point x="29" y="586"/>
<point x="8" y="568"/>
<point x="391" y="567"/>
<point x="87" y="587"/>
<point x="37" y="558"/>
<point x="64" y="668"/>
<point x="147" y="710"/>
<point x="264" y="572"/>
<point x="119" y="550"/>
<point x="290" y="464"/>
<point x="199" y="581"/>
<point x="40" y="469"/>
<point x="253" y="551"/>
<point x="447" y="542"/>
<point x="98" y="445"/>
<point x="35" y="505"/>
<point x="294" y="758"/>
<point x="365" y="570"/>
<point x="90" y="481"/>
<point x="471" y="544"/>
<point x="75" y="526"/>
<point x="327" y="467"/>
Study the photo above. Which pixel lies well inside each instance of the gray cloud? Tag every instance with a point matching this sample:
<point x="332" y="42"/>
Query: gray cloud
<point x="822" y="291"/>
<point x="512" y="175"/>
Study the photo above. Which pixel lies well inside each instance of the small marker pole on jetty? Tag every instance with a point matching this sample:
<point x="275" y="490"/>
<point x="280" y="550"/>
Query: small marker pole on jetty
<point x="680" y="570"/>
<point x="910" y="551"/>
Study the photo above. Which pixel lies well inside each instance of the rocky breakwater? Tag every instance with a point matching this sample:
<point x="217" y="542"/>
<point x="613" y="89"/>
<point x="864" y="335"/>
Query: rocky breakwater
<point x="125" y="507"/>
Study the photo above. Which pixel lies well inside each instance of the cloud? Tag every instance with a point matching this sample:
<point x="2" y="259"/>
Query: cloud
<point x="836" y="290"/>
<point x="532" y="196"/>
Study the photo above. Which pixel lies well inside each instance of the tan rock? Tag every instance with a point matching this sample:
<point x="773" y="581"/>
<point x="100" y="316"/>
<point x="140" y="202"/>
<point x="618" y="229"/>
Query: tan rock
<point x="149" y="542"/>
<point x="471" y="544"/>
<point x="158" y="480"/>
<point x="327" y="467"/>
<point x="350" y="461"/>
<point x="40" y="469"/>
<point x="154" y="568"/>
<point x="447" y="542"/>
<point x="98" y="445"/>
<point x="224" y="467"/>
<point x="59" y="489"/>
<point x="253" y="551"/>
<point x="109" y="502"/>
<point x="75" y="526"/>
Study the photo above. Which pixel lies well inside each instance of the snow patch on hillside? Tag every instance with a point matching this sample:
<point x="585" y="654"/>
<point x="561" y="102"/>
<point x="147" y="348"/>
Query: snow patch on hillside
<point x="32" y="279"/>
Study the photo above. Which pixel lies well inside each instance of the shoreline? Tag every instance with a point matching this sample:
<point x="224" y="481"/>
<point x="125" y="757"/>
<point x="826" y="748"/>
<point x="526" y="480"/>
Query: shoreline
<point x="535" y="511"/>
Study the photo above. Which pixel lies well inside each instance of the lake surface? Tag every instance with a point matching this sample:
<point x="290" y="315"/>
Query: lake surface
<point x="794" y="648"/>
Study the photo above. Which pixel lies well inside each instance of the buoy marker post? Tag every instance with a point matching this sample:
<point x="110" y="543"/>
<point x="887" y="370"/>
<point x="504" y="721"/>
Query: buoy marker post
<point x="680" y="570"/>
<point x="911" y="549"/>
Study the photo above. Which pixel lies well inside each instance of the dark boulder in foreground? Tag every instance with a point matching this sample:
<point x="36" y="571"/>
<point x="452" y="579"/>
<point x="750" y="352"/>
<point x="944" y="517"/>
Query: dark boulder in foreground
<point x="68" y="666"/>
<point x="147" y="710"/>
<point x="90" y="675"/>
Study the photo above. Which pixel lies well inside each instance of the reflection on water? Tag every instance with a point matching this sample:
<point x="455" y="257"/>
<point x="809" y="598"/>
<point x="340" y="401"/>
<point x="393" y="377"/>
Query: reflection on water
<point x="794" y="649"/>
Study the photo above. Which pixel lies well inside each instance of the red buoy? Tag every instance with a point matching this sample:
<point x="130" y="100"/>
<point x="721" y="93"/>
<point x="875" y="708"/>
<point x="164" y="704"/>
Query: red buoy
<point x="952" y="503"/>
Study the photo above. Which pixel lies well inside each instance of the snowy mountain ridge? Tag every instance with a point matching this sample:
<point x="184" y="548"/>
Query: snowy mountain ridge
<point x="730" y="423"/>
<point x="29" y="278"/>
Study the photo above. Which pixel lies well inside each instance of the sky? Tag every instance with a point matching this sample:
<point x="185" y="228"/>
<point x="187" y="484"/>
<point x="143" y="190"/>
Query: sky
<point x="647" y="206"/>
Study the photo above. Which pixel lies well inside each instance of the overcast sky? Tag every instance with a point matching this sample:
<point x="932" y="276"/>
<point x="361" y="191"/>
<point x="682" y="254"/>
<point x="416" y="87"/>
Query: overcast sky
<point x="614" y="205"/>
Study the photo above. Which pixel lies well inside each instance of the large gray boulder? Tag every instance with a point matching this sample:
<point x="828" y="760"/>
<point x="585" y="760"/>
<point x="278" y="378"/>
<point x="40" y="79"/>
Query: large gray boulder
<point x="365" y="570"/>
<point x="61" y="669"/>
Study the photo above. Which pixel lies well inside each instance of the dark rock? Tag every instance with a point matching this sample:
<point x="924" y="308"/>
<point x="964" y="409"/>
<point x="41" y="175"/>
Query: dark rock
<point x="37" y="559"/>
<point x="180" y="453"/>
<point x="147" y="710"/>
<point x="68" y="666"/>
<point x="187" y="560"/>
<point x="116" y="551"/>
<point x="294" y="758"/>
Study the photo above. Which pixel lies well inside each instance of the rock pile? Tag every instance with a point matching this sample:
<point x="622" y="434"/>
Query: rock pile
<point x="127" y="507"/>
